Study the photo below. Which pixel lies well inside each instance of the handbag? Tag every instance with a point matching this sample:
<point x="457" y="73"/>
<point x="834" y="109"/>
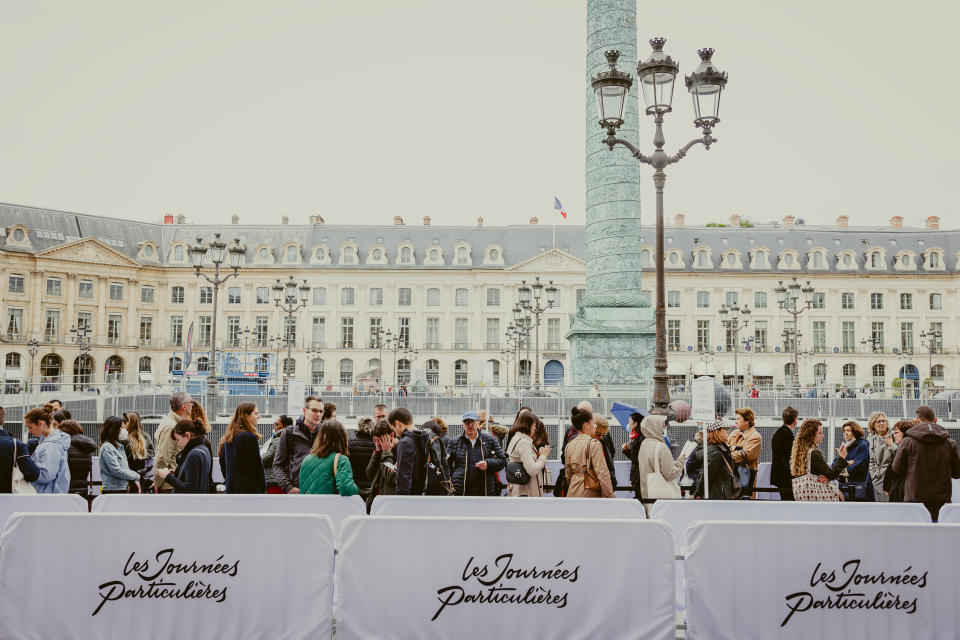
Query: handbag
<point x="591" y="481"/>
<point x="336" y="457"/>
<point x="857" y="491"/>
<point x="735" y="487"/>
<point x="658" y="486"/>
<point x="437" y="483"/>
<point x="807" y="488"/>
<point x="516" y="472"/>
<point x="17" y="483"/>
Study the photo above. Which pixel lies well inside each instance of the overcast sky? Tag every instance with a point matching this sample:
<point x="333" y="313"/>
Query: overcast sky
<point x="360" y="111"/>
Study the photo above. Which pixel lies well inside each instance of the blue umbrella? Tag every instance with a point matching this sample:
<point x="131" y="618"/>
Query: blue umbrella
<point x="622" y="413"/>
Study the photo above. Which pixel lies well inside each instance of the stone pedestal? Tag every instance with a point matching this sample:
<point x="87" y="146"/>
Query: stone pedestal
<point x="612" y="334"/>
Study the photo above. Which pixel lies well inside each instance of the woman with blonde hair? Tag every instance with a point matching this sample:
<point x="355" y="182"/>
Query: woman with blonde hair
<point x="806" y="459"/>
<point x="239" y="452"/>
<point x="327" y="468"/>
<point x="138" y="447"/>
<point x="882" y="451"/>
<point x="197" y="414"/>
<point x="602" y="435"/>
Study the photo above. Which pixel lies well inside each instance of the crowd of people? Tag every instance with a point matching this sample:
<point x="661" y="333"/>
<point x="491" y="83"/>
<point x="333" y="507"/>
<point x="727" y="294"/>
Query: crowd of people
<point x="912" y="460"/>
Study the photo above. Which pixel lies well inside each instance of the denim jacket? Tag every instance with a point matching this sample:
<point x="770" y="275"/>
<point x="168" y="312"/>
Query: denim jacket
<point x="114" y="471"/>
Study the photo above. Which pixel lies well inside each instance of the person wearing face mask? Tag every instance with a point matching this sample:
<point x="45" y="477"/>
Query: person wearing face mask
<point x="117" y="477"/>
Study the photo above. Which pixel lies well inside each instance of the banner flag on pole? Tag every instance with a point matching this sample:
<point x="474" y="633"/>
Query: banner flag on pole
<point x="559" y="207"/>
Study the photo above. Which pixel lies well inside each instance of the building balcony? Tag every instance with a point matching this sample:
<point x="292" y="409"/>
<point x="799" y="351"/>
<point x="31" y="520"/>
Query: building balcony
<point x="431" y="346"/>
<point x="345" y="344"/>
<point x="465" y="346"/>
<point x="555" y="346"/>
<point x="491" y="346"/>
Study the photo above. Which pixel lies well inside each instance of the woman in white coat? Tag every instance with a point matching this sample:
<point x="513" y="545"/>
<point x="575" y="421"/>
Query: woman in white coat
<point x="654" y="457"/>
<point x="521" y="451"/>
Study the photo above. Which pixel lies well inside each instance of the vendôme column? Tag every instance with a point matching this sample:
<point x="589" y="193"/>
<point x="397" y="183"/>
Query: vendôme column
<point x="612" y="334"/>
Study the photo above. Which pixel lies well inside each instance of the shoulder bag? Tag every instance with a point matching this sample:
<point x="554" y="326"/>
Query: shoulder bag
<point x="336" y="457"/>
<point x="516" y="473"/>
<point x="735" y="487"/>
<point x="807" y="488"/>
<point x="590" y="479"/>
<point x="17" y="483"/>
<point x="437" y="484"/>
<point x="657" y="485"/>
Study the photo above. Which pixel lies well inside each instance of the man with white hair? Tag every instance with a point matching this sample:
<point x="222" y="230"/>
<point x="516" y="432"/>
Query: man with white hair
<point x="181" y="405"/>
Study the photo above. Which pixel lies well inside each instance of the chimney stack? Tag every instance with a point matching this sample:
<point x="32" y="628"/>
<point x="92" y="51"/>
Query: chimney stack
<point x="181" y="219"/>
<point x="735" y="220"/>
<point x="843" y="221"/>
<point x="285" y="220"/>
<point x="317" y="219"/>
<point x="426" y="221"/>
<point x="234" y="219"/>
<point x="534" y="220"/>
<point x="679" y="220"/>
<point x="896" y="222"/>
<point x="479" y="221"/>
<point x="168" y="218"/>
<point x="397" y="220"/>
<point x="789" y="221"/>
<point x="933" y="222"/>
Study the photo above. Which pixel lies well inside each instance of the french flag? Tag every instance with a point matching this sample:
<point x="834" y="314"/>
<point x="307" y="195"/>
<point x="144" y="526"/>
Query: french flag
<point x="559" y="207"/>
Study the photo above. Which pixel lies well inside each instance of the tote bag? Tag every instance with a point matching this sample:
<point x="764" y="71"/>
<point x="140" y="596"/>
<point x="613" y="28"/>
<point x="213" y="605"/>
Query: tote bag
<point x="659" y="487"/>
<point x="807" y="488"/>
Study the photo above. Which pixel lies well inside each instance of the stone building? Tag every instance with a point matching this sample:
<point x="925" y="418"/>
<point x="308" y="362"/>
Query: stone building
<point x="449" y="292"/>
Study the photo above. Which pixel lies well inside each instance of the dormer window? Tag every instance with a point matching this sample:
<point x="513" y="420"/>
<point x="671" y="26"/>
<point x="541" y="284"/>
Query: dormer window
<point x="494" y="255"/>
<point x="377" y="254"/>
<point x="264" y="254"/>
<point x="818" y="262"/>
<point x="788" y="260"/>
<point x="179" y="253"/>
<point x="875" y="260"/>
<point x="701" y="259"/>
<point x="293" y="253"/>
<point x="148" y="250"/>
<point x="847" y="260"/>
<point x="906" y="260"/>
<point x="645" y="258"/>
<point x="434" y="255"/>
<point x="934" y="260"/>
<point x="406" y="255"/>
<point x="19" y="235"/>
<point x="462" y="255"/>
<point x="731" y="259"/>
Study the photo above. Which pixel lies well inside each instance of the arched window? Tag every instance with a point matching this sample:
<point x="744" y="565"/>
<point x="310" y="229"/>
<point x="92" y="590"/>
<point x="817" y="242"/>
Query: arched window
<point x="50" y="367"/>
<point x="262" y="363"/>
<point x="406" y="256"/>
<point x="316" y="371"/>
<point x="850" y="375"/>
<point x="494" y="372"/>
<point x="936" y="372"/>
<point x="175" y="364"/>
<point x="820" y="372"/>
<point x="13" y="360"/>
<point x="145" y="365"/>
<point x="701" y="258"/>
<point x="290" y="367"/>
<point x="934" y="260"/>
<point x="788" y="371"/>
<point x="906" y="260"/>
<point x="179" y="254"/>
<point x="674" y="258"/>
<point x="433" y="372"/>
<point x="203" y="363"/>
<point x="346" y="371"/>
<point x="879" y="381"/>
<point x="82" y="372"/>
<point x="460" y="373"/>
<point x="818" y="260"/>
<point x="875" y="260"/>
<point x="403" y="371"/>
<point x="526" y="372"/>
<point x="731" y="259"/>
<point x="645" y="258"/>
<point x="114" y="368"/>
<point x="292" y="253"/>
<point x="788" y="260"/>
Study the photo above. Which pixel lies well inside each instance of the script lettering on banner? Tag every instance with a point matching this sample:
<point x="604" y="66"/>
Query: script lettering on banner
<point x="165" y="576"/>
<point x="856" y="587"/>
<point x="505" y="580"/>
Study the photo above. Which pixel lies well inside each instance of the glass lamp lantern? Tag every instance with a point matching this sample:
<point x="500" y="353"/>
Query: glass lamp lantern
<point x="197" y="253"/>
<point x="217" y="249"/>
<point x="705" y="85"/>
<point x="611" y="87"/>
<point x="237" y="253"/>
<point x="656" y="75"/>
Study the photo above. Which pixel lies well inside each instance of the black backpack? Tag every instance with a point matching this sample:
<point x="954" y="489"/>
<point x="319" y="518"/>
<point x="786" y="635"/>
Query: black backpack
<point x="438" y="481"/>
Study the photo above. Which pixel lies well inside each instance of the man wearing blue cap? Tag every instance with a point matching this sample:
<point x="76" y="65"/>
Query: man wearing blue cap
<point x="475" y="458"/>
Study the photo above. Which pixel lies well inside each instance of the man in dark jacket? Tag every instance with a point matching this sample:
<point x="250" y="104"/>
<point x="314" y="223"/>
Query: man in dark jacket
<point x="411" y="453"/>
<point x="14" y="452"/>
<point x="780" y="474"/>
<point x="382" y="468"/>
<point x="927" y="458"/>
<point x="361" y="449"/>
<point x="475" y="457"/>
<point x="294" y="445"/>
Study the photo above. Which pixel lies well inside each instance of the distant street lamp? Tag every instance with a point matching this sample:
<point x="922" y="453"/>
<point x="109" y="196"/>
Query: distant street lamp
<point x="530" y="298"/>
<point x="34" y="349"/>
<point x="734" y="318"/>
<point x="523" y="325"/>
<point x="217" y="249"/>
<point x="788" y="299"/>
<point x="80" y="336"/>
<point x="931" y="340"/>
<point x="656" y="76"/>
<point x="285" y="297"/>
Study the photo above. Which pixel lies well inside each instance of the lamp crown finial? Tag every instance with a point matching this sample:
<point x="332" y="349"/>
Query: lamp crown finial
<point x="612" y="56"/>
<point x="705" y="54"/>
<point x="657" y="43"/>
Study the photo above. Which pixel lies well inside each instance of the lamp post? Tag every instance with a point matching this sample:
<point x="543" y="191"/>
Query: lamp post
<point x="34" y="349"/>
<point x="656" y="76"/>
<point x="285" y="297"/>
<point x="875" y="343"/>
<point x="530" y="298"/>
<point x="217" y="249"/>
<point x="410" y="355"/>
<point x="706" y="357"/>
<point x="506" y="354"/>
<point x="523" y="324"/>
<point x="381" y="337"/>
<point x="788" y="298"/>
<point x="80" y="336"/>
<point x="277" y="342"/>
<point x="931" y="340"/>
<point x="734" y="318"/>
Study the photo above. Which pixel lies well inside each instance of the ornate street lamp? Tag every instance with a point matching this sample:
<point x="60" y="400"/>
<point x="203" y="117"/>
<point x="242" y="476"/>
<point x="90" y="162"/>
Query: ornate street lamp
<point x="285" y="297"/>
<point x="734" y="318"/>
<point x="788" y="299"/>
<point x="216" y="248"/>
<point x="657" y="75"/>
<point x="532" y="305"/>
<point x="80" y="336"/>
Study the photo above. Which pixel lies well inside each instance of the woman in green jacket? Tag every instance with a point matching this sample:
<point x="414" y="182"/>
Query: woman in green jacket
<point x="327" y="469"/>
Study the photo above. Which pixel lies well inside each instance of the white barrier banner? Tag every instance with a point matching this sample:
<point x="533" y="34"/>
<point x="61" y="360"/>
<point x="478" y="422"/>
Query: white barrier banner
<point x="950" y="513"/>
<point x="499" y="507"/>
<point x="802" y="580"/>
<point x="524" y="578"/>
<point x="40" y="503"/>
<point x="337" y="507"/>
<point x="166" y="576"/>
<point x="680" y="514"/>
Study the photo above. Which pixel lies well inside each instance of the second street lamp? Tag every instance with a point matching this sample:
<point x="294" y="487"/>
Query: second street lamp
<point x="789" y="299"/>
<point x="285" y="297"/>
<point x="530" y="301"/>
<point x="734" y="318"/>
<point x="656" y="76"/>
<point x="216" y="248"/>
